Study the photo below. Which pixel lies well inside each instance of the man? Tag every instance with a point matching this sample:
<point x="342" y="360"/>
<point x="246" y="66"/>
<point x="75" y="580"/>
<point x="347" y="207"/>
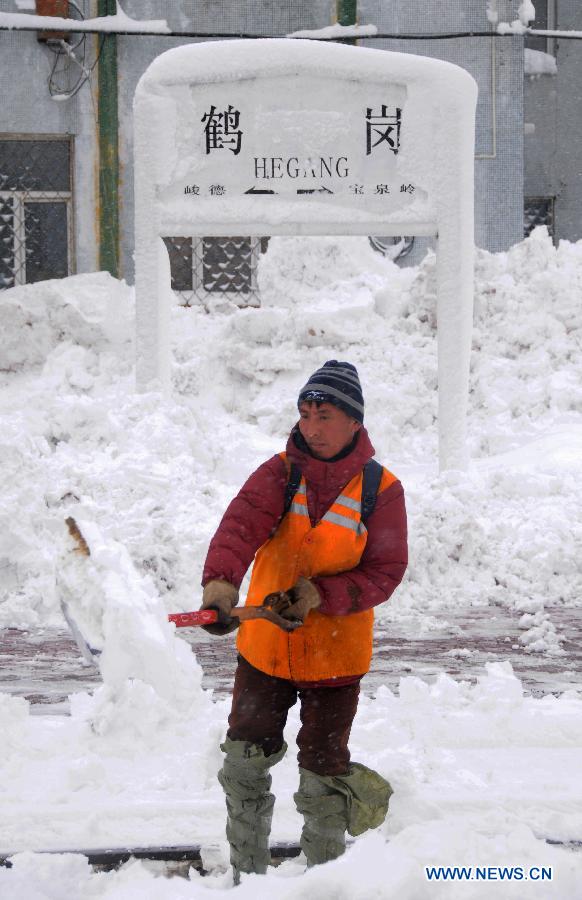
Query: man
<point x="321" y="564"/>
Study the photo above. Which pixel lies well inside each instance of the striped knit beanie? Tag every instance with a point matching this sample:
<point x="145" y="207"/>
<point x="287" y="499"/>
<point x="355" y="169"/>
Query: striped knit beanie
<point x="337" y="383"/>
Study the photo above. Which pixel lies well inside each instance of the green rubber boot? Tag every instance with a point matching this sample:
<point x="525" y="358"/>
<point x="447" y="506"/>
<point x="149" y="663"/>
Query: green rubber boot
<point x="334" y="804"/>
<point x="246" y="782"/>
<point x="325" y="817"/>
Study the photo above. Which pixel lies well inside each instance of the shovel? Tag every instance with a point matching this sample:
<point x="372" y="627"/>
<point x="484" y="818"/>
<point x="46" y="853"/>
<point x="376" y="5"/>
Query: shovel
<point x="180" y="620"/>
<point x="242" y="613"/>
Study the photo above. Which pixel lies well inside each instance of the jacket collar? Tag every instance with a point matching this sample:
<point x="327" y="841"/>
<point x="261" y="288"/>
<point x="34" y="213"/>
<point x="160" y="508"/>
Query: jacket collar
<point x="330" y="474"/>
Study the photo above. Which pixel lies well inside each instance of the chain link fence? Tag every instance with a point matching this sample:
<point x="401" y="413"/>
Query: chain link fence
<point x="36" y="233"/>
<point x="210" y="269"/>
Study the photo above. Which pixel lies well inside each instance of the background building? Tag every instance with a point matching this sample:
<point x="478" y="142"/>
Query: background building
<point x="66" y="179"/>
<point x="553" y="122"/>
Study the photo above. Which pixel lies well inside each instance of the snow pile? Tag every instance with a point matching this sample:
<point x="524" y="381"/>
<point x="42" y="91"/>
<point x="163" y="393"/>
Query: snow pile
<point x="337" y="296"/>
<point x="497" y="534"/>
<point x="332" y="32"/>
<point x="538" y="63"/>
<point x="481" y="775"/>
<point x="492" y="12"/>
<point x="75" y="440"/>
<point x="477" y="538"/>
<point x="527" y="339"/>
<point x="118" y="22"/>
<point x="525" y="15"/>
<point x="82" y="316"/>
<point x="393" y="871"/>
<point x="149" y="676"/>
<point x="155" y="475"/>
<point x="526" y="12"/>
<point x="124" y="768"/>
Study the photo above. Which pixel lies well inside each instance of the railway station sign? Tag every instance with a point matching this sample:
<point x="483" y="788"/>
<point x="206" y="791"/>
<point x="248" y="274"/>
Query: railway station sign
<point x="284" y="136"/>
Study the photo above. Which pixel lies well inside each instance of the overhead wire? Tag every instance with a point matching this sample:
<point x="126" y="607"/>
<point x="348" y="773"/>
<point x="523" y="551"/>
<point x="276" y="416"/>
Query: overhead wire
<point x="423" y="36"/>
<point x="84" y="78"/>
<point x="62" y="49"/>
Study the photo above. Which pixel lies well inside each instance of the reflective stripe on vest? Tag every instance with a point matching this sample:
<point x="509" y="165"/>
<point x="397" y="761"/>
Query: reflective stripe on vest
<point x="336" y="517"/>
<point x="325" y="646"/>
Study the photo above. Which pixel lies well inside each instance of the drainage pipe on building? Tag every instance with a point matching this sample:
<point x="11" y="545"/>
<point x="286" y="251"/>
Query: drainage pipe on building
<point x="108" y="126"/>
<point x="347" y="14"/>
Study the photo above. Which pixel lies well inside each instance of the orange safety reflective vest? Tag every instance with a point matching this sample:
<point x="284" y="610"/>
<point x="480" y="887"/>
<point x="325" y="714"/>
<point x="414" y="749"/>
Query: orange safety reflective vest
<point x="325" y="646"/>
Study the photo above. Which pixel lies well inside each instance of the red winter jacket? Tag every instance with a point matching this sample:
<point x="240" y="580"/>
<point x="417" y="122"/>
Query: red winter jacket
<point x="256" y="510"/>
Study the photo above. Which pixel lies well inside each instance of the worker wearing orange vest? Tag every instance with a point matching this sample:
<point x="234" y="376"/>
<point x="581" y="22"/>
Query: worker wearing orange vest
<point x="317" y="562"/>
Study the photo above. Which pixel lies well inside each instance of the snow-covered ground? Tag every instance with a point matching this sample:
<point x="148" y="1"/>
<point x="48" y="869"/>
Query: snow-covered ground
<point x="482" y="774"/>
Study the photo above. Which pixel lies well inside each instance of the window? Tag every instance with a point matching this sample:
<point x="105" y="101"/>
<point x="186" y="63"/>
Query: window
<point x="35" y="209"/>
<point x="180" y="254"/>
<point x="393" y="247"/>
<point x="538" y="211"/>
<point x="208" y="268"/>
<point x="545" y="20"/>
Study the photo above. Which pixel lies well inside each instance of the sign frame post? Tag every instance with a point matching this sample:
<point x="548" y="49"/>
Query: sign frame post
<point x="431" y="156"/>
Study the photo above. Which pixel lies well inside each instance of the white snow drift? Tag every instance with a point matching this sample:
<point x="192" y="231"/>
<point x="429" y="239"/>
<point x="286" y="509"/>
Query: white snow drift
<point x="482" y="774"/>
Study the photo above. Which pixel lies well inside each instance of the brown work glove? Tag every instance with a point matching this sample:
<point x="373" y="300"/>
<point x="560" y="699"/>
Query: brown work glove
<point x="221" y="596"/>
<point x="303" y="597"/>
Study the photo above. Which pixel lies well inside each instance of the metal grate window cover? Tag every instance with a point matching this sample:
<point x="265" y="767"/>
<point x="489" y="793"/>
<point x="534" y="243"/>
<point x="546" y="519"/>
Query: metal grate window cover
<point x="546" y="18"/>
<point x="204" y="270"/>
<point x="35" y="208"/>
<point x="539" y="211"/>
<point x="394" y="248"/>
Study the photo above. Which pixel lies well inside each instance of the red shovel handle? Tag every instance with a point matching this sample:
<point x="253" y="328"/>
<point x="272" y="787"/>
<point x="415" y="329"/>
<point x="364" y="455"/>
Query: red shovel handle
<point x="242" y="613"/>
<point x="191" y="619"/>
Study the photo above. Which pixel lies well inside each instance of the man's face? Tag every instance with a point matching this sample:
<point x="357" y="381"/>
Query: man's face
<point x="325" y="428"/>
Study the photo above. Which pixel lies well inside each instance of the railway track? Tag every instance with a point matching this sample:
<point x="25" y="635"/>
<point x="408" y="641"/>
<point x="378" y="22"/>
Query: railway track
<point x="44" y="666"/>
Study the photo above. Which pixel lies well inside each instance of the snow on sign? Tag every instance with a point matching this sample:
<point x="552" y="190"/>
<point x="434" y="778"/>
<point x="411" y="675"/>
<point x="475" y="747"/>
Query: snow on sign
<point x="275" y="137"/>
<point x="245" y="139"/>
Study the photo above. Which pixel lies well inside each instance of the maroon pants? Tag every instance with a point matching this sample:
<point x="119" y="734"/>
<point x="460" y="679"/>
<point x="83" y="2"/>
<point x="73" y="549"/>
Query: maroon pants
<point x="260" y="704"/>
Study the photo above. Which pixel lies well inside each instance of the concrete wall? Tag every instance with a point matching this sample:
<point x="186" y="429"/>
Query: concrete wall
<point x="269" y="17"/>
<point x="553" y="106"/>
<point x="496" y="65"/>
<point x="26" y="108"/>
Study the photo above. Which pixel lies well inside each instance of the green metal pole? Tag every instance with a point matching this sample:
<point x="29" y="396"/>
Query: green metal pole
<point x="347" y="12"/>
<point x="108" y="148"/>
